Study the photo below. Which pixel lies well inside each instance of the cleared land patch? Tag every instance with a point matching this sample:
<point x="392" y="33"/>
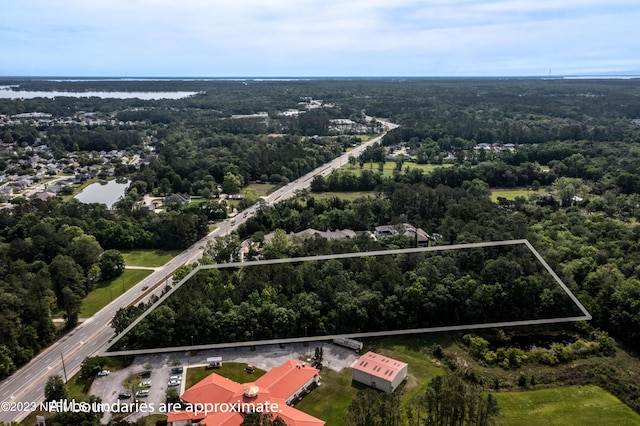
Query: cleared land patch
<point x="510" y="194"/>
<point x="148" y="258"/>
<point x="106" y="291"/>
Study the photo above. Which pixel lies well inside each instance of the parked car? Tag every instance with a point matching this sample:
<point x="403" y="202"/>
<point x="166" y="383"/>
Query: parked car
<point x="177" y="370"/>
<point x="145" y="384"/>
<point x="172" y="383"/>
<point x="102" y="373"/>
<point x="124" y="395"/>
<point x="144" y="374"/>
<point x="142" y="394"/>
<point x="175" y="378"/>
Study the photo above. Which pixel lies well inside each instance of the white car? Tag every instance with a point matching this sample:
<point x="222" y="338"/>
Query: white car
<point x="142" y="394"/>
<point x="103" y="373"/>
<point x="173" y="383"/>
<point x="145" y="384"/>
<point x="175" y="378"/>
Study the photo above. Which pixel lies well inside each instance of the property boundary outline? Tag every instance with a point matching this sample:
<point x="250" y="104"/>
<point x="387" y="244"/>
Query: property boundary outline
<point x="585" y="317"/>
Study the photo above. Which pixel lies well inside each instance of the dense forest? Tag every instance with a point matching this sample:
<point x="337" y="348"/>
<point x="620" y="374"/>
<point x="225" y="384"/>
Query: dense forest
<point x="575" y="154"/>
<point x="353" y="295"/>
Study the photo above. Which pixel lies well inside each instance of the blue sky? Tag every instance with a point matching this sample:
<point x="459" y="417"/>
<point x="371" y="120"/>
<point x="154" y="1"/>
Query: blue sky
<point x="234" y="38"/>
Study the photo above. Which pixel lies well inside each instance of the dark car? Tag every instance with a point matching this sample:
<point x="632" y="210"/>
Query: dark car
<point x="144" y="374"/>
<point x="124" y="395"/>
<point x="177" y="370"/>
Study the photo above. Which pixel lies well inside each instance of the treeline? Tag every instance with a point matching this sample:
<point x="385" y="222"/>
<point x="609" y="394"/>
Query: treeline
<point x="66" y="138"/>
<point x="462" y="213"/>
<point x="448" y="400"/>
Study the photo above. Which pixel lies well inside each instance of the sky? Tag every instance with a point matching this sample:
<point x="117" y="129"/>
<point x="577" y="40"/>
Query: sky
<point x="319" y="38"/>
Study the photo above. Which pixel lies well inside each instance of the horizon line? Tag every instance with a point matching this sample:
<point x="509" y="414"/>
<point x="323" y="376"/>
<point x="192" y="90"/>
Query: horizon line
<point x="301" y="77"/>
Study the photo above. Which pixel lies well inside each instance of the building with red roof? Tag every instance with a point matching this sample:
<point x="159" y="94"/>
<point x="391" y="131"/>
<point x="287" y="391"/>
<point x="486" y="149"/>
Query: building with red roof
<point x="379" y="371"/>
<point x="226" y="402"/>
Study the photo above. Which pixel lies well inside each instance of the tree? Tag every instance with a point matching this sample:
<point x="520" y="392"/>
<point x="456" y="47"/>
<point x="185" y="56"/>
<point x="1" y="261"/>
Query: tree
<point x="65" y="272"/>
<point x="91" y="366"/>
<point x="250" y="196"/>
<point x="111" y="264"/>
<point x="318" y="184"/>
<point x="55" y="389"/>
<point x="567" y="189"/>
<point x="71" y="304"/>
<point x="451" y="401"/>
<point x="225" y="249"/>
<point x="231" y="183"/>
<point x="172" y="396"/>
<point x="374" y="408"/>
<point x="277" y="245"/>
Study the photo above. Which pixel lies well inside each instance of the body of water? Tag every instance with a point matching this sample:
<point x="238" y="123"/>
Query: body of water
<point x="105" y="193"/>
<point x="8" y="93"/>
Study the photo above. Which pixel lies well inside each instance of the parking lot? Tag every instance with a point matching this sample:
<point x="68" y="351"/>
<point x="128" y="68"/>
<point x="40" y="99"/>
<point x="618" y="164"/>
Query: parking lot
<point x="264" y="357"/>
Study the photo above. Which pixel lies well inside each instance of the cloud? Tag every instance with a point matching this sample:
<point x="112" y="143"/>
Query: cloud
<point x="313" y="37"/>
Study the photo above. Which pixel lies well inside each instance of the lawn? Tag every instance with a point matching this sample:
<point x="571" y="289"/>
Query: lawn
<point x="106" y="291"/>
<point x="231" y="370"/>
<point x="331" y="400"/>
<point x="262" y="188"/>
<point x="148" y="258"/>
<point x="573" y="405"/>
<point x="509" y="194"/>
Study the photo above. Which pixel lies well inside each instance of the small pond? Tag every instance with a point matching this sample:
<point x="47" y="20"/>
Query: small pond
<point x="103" y="192"/>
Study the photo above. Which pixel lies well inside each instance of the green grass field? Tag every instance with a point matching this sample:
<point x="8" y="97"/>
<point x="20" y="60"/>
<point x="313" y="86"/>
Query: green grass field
<point x="107" y="291"/>
<point x="573" y="405"/>
<point x="148" y="258"/>
<point x="509" y="194"/>
<point x="262" y="188"/>
<point x="331" y="399"/>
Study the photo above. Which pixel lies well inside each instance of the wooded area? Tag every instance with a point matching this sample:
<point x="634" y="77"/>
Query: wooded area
<point x="575" y="149"/>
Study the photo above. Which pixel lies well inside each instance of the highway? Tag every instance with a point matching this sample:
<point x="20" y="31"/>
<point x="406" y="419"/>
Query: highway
<point x="90" y="338"/>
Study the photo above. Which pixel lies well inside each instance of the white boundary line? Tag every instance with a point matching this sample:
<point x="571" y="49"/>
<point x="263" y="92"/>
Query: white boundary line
<point x="585" y="317"/>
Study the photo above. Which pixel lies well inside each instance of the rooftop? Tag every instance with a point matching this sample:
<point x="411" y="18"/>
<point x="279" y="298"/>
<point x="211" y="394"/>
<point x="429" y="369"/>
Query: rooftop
<point x="379" y="366"/>
<point x="275" y="387"/>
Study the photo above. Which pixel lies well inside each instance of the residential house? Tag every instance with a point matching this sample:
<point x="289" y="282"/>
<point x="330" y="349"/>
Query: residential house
<point x="417" y="234"/>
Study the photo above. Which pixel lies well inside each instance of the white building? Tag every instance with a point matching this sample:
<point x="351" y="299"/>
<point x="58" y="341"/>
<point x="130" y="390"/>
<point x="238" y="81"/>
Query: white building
<point x="379" y="371"/>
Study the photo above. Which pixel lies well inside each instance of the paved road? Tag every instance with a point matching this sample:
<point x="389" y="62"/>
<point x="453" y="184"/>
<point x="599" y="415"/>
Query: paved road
<point x="91" y="337"/>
